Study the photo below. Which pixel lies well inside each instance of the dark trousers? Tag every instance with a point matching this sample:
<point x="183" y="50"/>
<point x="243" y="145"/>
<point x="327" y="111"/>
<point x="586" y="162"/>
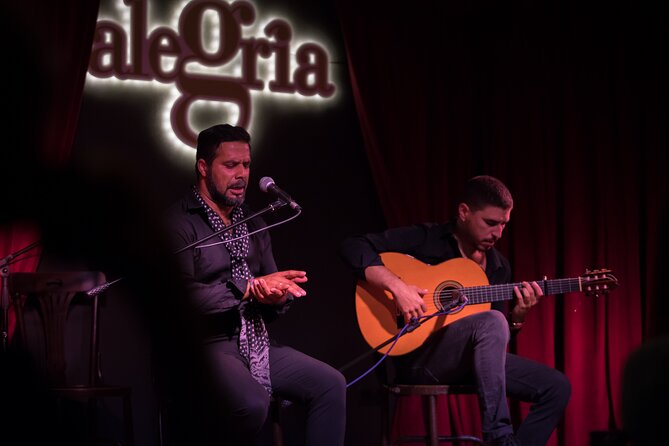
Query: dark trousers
<point x="547" y="389"/>
<point x="474" y="349"/>
<point x="240" y="405"/>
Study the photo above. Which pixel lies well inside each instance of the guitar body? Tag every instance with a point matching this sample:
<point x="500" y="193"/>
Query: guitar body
<point x="377" y="313"/>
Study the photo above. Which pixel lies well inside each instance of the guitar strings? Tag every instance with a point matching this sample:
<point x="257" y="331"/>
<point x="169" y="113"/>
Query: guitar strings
<point x="501" y="292"/>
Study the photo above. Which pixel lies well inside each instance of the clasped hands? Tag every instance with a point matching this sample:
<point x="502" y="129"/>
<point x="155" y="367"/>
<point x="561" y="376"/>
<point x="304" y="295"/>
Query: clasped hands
<point x="274" y="288"/>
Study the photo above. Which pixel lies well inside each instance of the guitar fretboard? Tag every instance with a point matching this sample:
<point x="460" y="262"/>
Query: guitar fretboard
<point x="494" y="293"/>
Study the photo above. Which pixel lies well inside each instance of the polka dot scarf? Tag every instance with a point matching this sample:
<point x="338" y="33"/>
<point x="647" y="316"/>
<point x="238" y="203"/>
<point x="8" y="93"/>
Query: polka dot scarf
<point x="253" y="337"/>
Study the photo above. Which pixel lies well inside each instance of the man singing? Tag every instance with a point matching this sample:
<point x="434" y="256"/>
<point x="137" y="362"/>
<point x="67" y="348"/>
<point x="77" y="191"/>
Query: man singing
<point x="236" y="288"/>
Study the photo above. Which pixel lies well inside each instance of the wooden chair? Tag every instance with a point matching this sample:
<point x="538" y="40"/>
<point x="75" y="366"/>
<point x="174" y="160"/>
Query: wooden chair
<point x="53" y="294"/>
<point x="428" y="395"/>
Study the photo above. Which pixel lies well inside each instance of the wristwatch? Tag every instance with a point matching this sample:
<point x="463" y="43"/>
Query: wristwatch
<point x="515" y="326"/>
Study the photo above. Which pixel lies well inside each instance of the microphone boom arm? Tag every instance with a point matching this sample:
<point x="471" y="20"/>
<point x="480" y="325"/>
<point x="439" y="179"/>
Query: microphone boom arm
<point x="269" y="208"/>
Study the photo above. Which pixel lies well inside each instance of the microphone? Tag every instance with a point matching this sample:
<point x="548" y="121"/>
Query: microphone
<point x="267" y="184"/>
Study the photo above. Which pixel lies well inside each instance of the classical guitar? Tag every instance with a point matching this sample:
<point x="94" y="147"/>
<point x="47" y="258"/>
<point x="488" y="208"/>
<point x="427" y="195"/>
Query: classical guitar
<point x="459" y="285"/>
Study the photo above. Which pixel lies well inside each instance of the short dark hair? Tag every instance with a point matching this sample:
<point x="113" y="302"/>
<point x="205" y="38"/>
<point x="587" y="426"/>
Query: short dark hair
<point x="209" y="139"/>
<point x="484" y="190"/>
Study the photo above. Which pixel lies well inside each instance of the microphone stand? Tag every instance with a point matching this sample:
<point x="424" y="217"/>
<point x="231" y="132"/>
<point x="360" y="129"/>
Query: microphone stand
<point x="412" y="326"/>
<point x="270" y="208"/>
<point x="367" y="353"/>
<point x="408" y="328"/>
<point x="5" y="297"/>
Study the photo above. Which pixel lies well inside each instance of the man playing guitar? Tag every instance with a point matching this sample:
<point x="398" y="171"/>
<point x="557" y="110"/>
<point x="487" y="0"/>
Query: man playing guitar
<point x="471" y="348"/>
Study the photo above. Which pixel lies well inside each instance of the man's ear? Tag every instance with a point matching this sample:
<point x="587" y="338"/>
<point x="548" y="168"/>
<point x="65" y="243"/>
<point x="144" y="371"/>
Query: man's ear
<point x="202" y="168"/>
<point x="463" y="211"/>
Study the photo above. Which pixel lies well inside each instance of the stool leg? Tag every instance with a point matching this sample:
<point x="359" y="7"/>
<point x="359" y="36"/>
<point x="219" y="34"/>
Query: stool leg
<point x="431" y="419"/>
<point x="91" y="427"/>
<point x="388" y="415"/>
<point x="277" y="432"/>
<point x="129" y="433"/>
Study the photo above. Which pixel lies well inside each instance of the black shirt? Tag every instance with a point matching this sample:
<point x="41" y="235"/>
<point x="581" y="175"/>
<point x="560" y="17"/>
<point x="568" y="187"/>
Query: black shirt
<point x="430" y="243"/>
<point x="207" y="271"/>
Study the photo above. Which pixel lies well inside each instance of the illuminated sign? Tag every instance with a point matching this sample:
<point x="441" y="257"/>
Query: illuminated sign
<point x="205" y="58"/>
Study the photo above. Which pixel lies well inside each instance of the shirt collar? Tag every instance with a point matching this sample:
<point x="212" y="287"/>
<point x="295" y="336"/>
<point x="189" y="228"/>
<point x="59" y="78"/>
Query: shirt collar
<point x="191" y="202"/>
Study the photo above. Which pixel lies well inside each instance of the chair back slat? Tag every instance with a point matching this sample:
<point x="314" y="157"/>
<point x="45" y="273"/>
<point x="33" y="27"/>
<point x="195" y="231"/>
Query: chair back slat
<point x="53" y="293"/>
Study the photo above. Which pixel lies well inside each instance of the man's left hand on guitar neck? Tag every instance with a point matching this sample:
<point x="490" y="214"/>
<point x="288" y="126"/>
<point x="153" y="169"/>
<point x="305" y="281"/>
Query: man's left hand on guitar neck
<point x="527" y="296"/>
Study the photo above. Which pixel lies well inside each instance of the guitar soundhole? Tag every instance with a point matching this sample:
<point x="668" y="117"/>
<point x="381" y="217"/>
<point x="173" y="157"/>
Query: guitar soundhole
<point x="447" y="296"/>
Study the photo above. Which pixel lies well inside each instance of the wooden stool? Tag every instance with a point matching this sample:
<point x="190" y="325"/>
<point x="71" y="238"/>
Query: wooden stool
<point x="428" y="394"/>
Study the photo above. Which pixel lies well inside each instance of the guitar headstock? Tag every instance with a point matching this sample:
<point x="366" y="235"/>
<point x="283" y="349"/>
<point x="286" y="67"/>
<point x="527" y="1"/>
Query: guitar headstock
<point x="598" y="281"/>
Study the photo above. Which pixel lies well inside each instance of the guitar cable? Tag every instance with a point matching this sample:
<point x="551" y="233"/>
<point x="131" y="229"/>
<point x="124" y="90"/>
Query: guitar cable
<point x="410" y="326"/>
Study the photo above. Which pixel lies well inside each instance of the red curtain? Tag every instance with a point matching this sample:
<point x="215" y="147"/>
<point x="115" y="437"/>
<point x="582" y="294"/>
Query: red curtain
<point x="48" y="45"/>
<point x="14" y="238"/>
<point x="566" y="103"/>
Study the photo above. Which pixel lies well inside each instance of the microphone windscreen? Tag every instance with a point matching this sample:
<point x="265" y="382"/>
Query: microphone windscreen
<point x="265" y="183"/>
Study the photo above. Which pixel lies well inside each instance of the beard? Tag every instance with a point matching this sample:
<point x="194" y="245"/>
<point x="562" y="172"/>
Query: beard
<point x="220" y="198"/>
